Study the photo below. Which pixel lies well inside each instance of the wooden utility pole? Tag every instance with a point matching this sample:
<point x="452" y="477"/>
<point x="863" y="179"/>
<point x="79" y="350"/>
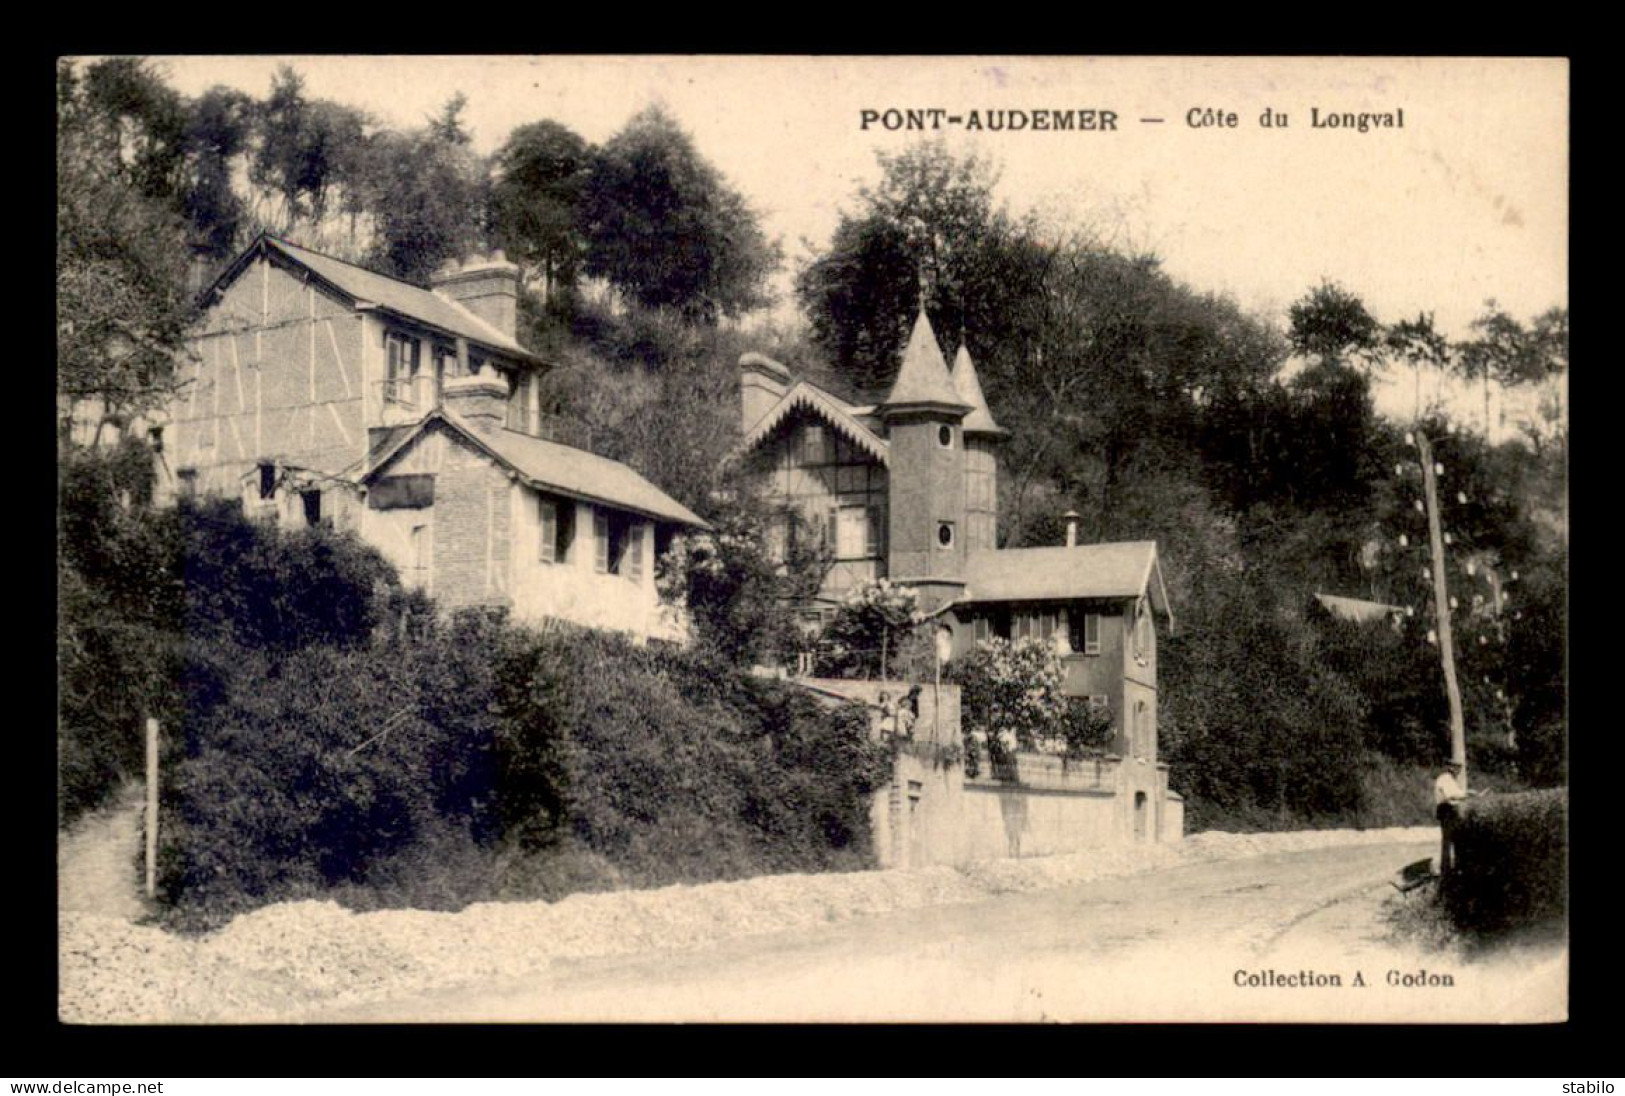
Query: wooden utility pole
<point x="152" y="808"/>
<point x="1441" y="606"/>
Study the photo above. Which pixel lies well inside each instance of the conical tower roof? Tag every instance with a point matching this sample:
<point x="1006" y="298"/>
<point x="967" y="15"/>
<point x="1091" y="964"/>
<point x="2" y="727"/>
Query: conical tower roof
<point x="922" y="381"/>
<point x="969" y="389"/>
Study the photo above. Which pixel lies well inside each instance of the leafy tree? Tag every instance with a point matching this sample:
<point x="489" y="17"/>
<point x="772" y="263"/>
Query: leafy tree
<point x="219" y="128"/>
<point x="540" y="175"/>
<point x="870" y="627"/>
<point x="663" y="226"/>
<point x="122" y="307"/>
<point x="1506" y="352"/>
<point x="426" y="194"/>
<point x="1418" y="344"/>
<point x="1011" y="700"/>
<point x="929" y="233"/>
<point x="1332" y="325"/>
<point x="737" y="596"/>
<point x="306" y="151"/>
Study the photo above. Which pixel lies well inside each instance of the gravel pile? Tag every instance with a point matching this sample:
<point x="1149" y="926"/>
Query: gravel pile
<point x="287" y="959"/>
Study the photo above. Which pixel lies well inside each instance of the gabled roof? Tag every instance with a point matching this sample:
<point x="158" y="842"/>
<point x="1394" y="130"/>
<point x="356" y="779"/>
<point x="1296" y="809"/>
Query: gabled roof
<point x="808" y="396"/>
<point x="922" y="379"/>
<point x="549" y="466"/>
<point x="969" y="388"/>
<point x="1353" y="608"/>
<point x="1124" y="570"/>
<point x="365" y="287"/>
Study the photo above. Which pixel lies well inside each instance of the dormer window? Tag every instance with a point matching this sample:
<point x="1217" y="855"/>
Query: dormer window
<point x="945" y="534"/>
<point x="267" y="479"/>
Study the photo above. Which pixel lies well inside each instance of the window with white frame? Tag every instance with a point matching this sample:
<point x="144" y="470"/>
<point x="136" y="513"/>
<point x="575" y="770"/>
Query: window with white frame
<point x="600" y="542"/>
<point x="617" y="545"/>
<point x="400" y="366"/>
<point x="634" y="554"/>
<point x="852" y="533"/>
<point x="1034" y="624"/>
<point x="1085" y="632"/>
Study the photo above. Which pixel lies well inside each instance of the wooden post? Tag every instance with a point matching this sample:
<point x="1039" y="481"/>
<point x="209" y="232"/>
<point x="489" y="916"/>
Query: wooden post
<point x="152" y="808"/>
<point x="1441" y="607"/>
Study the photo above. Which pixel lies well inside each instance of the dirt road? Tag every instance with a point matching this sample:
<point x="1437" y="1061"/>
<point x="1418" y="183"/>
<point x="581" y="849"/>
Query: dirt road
<point x="1290" y="936"/>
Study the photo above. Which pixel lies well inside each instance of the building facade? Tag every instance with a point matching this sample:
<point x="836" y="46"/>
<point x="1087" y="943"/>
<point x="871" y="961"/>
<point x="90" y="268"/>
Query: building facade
<point x="323" y="393"/>
<point x="908" y="490"/>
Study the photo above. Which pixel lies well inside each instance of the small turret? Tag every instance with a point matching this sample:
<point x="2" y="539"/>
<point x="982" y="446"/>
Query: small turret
<point x="982" y="438"/>
<point x="924" y="418"/>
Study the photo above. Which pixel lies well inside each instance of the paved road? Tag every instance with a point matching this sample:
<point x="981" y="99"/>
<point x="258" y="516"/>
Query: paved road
<point x="1168" y="946"/>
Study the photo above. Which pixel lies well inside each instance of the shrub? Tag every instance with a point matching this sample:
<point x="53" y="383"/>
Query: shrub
<point x="870" y="629"/>
<point x="470" y="760"/>
<point x="1011" y="699"/>
<point x="1510" y="861"/>
<point x="150" y="600"/>
<point x="327" y="768"/>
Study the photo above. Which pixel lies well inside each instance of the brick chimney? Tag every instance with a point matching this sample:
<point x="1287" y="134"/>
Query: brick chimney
<point x="1071" y="518"/>
<point x="487" y="286"/>
<point x="762" y="383"/>
<point x="481" y="401"/>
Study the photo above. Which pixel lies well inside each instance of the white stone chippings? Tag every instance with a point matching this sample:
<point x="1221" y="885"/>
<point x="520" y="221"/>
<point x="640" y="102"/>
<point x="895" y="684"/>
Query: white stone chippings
<point x="286" y="959"/>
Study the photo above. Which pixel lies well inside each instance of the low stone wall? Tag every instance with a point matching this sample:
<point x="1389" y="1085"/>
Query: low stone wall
<point x="1037" y="805"/>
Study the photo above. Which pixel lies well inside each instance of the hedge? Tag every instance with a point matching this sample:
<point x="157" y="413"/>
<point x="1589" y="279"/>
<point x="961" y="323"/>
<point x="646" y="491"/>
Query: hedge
<point x="1510" y="860"/>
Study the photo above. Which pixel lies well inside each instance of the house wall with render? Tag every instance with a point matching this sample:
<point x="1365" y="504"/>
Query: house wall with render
<point x="572" y="588"/>
<point x="932" y="813"/>
<point x="1114" y="672"/>
<point x="278" y="371"/>
<point x="479" y="543"/>
<point x="459" y="548"/>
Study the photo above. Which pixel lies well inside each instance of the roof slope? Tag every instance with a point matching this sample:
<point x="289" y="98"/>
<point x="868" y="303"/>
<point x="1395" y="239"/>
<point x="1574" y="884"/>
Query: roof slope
<point x="1122" y="570"/>
<point x="364" y="285"/>
<point x="969" y="387"/>
<point x="549" y="466"/>
<point x="840" y="415"/>
<point x="1353" y="608"/>
<point x="922" y="379"/>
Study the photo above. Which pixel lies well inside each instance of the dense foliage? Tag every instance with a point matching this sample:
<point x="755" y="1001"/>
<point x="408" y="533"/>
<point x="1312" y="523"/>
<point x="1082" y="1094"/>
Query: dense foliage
<point x="1510" y="861"/>
<point x="1010" y="700"/>
<point x="1250" y="451"/>
<point x="325" y="733"/>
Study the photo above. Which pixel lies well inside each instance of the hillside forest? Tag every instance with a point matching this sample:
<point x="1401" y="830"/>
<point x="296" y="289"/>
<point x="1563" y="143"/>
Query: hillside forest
<point x="1248" y="447"/>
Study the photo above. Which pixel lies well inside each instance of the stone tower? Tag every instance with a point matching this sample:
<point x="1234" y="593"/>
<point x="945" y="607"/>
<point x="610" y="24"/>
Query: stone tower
<point x="982" y="439"/>
<point x="924" y="418"/>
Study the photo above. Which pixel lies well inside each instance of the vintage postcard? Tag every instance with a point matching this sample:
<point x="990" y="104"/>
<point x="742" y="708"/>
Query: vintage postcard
<point x="757" y="539"/>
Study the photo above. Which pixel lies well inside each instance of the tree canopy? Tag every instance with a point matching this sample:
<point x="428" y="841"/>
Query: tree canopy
<point x="122" y="307"/>
<point x="664" y="226"/>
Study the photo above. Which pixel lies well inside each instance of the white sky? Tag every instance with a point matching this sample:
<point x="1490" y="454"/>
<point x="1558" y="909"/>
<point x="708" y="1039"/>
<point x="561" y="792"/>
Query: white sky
<point x="1469" y="201"/>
